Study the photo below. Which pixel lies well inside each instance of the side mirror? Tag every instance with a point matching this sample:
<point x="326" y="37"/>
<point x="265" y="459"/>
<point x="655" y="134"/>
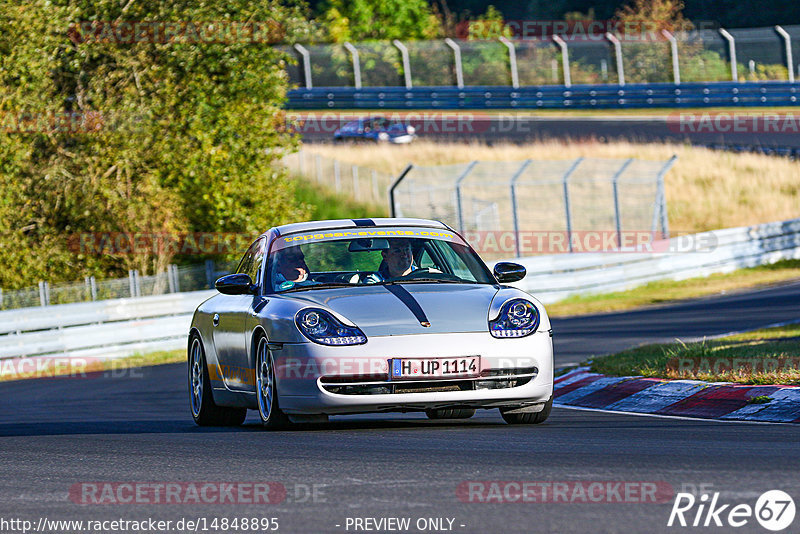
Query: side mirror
<point x="507" y="272"/>
<point x="235" y="284"/>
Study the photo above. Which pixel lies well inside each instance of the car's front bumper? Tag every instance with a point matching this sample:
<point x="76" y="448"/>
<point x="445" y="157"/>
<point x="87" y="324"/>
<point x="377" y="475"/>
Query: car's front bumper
<point x="301" y="369"/>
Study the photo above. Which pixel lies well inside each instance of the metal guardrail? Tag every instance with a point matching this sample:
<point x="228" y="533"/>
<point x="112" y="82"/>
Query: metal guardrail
<point x="554" y="277"/>
<point x="104" y="329"/>
<point x="643" y="95"/>
<point x="122" y="327"/>
<point x="174" y="280"/>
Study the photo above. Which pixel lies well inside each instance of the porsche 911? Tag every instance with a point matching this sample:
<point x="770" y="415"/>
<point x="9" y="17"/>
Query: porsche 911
<point x="363" y="316"/>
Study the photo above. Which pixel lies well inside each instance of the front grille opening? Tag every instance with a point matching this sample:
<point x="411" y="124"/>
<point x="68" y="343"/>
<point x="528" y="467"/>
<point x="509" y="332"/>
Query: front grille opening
<point x="512" y="371"/>
<point x="490" y="379"/>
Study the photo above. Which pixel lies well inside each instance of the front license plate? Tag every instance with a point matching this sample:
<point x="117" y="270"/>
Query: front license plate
<point x="425" y="368"/>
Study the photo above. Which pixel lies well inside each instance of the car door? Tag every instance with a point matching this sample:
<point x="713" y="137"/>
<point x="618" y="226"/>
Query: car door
<point x="230" y="337"/>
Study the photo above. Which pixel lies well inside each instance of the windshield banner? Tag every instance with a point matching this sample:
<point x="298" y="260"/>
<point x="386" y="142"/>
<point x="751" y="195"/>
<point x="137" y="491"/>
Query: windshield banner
<point x="358" y="233"/>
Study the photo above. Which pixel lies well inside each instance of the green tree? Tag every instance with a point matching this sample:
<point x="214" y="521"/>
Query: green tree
<point x="173" y="135"/>
<point x="646" y="54"/>
<point x="484" y="58"/>
<point x="362" y="20"/>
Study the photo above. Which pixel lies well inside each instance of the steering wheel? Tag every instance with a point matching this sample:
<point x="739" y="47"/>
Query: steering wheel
<point x="356" y="278"/>
<point x="343" y="278"/>
<point x="438" y="275"/>
<point x="412" y="274"/>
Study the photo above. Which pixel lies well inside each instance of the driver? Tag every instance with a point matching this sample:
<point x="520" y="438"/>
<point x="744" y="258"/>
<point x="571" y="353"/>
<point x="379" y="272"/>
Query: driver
<point x="397" y="259"/>
<point x="290" y="266"/>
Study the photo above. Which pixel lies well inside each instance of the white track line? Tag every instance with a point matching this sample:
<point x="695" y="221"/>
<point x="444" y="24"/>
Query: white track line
<point x="680" y="417"/>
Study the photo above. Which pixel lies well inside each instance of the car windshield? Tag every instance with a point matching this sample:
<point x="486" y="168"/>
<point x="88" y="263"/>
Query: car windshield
<point x="345" y="258"/>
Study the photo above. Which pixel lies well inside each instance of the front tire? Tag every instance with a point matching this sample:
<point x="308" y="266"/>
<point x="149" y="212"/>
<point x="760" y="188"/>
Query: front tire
<point x="533" y="418"/>
<point x="450" y="413"/>
<point x="267" y="388"/>
<point x="204" y="410"/>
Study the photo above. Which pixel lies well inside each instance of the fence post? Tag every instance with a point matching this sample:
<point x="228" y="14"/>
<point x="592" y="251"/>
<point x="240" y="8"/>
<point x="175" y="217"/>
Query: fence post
<point x="564" y="59"/>
<point x="88" y="285"/>
<point x="460" y="179"/>
<point x="567" y="212"/>
<point x="406" y="62"/>
<point x="676" y="66"/>
<point x="512" y="61"/>
<point x="131" y="283"/>
<point x="618" y="53"/>
<point x="356" y="188"/>
<point x="660" y="207"/>
<point x="514" y="209"/>
<point x="356" y="64"/>
<point x="787" y="39"/>
<point x="306" y="64"/>
<point x="392" y="209"/>
<point x="337" y="175"/>
<point x="43" y="296"/>
<point x="176" y="277"/>
<point x="731" y="52"/>
<point x="210" y="273"/>
<point x="375" y="190"/>
<point x="1" y="298"/>
<point x="170" y="279"/>
<point x="93" y="287"/>
<point x="617" y="217"/>
<point x="457" y="58"/>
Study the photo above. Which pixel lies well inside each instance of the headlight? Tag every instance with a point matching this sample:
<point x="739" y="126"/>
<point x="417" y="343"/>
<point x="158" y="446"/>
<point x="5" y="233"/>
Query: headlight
<point x="321" y="327"/>
<point x="518" y="318"/>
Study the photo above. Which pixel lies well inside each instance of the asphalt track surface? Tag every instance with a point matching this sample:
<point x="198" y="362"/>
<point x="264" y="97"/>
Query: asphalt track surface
<point x="441" y="126"/>
<point x="55" y="433"/>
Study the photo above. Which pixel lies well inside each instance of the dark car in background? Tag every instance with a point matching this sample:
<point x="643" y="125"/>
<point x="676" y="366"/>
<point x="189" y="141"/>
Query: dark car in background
<point x="376" y="129"/>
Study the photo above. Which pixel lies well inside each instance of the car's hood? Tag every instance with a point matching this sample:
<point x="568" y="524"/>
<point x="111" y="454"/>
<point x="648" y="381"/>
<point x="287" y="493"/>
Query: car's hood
<point x="401" y="309"/>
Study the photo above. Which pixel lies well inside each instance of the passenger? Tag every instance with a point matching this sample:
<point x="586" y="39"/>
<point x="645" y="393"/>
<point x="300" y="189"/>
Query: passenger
<point x="291" y="267"/>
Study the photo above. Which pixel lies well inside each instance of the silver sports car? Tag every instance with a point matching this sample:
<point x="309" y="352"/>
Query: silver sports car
<point x="368" y="315"/>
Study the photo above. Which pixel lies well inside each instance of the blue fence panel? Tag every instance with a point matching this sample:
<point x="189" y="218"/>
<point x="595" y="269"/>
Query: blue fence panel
<point x="654" y="95"/>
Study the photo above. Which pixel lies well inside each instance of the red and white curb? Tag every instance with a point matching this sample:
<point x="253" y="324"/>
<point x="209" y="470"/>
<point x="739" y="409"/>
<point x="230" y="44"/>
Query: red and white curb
<point x="684" y="398"/>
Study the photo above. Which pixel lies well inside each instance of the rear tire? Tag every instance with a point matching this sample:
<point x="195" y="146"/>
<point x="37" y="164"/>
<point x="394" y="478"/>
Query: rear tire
<point x="450" y="413"/>
<point x="204" y="410"/>
<point x="267" y="388"/>
<point x="533" y="418"/>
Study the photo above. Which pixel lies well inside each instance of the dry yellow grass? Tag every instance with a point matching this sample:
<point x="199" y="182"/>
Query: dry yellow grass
<point x="706" y="189"/>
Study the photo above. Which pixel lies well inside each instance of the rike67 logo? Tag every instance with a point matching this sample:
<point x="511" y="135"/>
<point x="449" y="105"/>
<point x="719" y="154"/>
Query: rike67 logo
<point x="774" y="510"/>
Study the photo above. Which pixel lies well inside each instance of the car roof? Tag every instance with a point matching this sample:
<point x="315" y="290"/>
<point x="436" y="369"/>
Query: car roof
<point x="358" y="223"/>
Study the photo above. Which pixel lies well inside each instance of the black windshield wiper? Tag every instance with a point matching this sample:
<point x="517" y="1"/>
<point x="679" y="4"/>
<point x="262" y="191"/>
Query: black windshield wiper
<point x="328" y="285"/>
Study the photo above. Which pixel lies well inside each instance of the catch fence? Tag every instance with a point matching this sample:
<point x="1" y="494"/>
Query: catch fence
<point x="705" y="55"/>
